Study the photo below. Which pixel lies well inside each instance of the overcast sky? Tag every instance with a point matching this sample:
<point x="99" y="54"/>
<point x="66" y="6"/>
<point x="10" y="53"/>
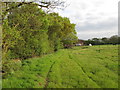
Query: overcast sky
<point x="93" y="18"/>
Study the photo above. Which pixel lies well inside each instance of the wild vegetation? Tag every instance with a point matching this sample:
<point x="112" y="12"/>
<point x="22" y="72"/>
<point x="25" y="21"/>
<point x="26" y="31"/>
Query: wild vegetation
<point x="34" y="54"/>
<point x="78" y="67"/>
<point x="28" y="31"/>
<point x="115" y="39"/>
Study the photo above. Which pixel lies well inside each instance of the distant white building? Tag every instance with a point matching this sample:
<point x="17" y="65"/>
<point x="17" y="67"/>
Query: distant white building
<point x="90" y="44"/>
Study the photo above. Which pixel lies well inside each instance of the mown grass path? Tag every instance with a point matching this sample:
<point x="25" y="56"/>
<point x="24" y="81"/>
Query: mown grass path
<point x="79" y="67"/>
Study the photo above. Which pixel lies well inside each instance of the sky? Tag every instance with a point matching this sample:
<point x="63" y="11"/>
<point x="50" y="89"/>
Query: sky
<point x="93" y="18"/>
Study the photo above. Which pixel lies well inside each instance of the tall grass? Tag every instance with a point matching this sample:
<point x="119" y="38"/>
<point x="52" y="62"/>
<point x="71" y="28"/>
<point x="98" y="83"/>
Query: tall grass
<point x="79" y="67"/>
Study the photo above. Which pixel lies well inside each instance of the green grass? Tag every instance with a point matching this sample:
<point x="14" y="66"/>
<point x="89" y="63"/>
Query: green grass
<point x="79" y="67"/>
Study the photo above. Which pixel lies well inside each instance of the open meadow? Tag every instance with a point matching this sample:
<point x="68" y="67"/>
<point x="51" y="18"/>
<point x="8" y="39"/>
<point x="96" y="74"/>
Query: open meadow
<point x="78" y="67"/>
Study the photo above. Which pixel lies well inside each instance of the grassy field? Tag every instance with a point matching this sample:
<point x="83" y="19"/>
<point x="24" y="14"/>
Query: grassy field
<point x="79" y="67"/>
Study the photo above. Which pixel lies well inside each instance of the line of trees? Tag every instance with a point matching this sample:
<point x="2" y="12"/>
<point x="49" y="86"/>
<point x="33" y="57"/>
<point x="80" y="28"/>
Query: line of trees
<point x="28" y="31"/>
<point x="115" y="39"/>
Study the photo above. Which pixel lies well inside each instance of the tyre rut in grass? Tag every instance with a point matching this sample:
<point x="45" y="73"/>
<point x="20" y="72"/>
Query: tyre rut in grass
<point x="83" y="71"/>
<point x="47" y="79"/>
<point x="72" y="75"/>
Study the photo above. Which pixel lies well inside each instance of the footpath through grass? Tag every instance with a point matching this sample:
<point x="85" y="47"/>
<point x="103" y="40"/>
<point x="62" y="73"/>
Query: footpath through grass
<point x="79" y="67"/>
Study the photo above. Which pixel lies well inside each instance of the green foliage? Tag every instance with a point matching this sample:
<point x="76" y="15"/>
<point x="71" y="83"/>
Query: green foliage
<point x="10" y="67"/>
<point x="102" y="41"/>
<point x="10" y="38"/>
<point x="70" y="39"/>
<point x="114" y="39"/>
<point x="28" y="31"/>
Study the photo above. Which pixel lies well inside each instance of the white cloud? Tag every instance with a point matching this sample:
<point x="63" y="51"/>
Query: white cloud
<point x="98" y="34"/>
<point x="92" y="14"/>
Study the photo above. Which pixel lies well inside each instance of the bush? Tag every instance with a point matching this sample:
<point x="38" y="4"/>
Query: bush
<point x="10" y="66"/>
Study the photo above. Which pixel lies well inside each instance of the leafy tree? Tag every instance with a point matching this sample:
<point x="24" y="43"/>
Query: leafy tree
<point x="51" y="4"/>
<point x="99" y="41"/>
<point x="69" y="40"/>
<point x="38" y="32"/>
<point x="10" y="38"/>
<point x="29" y="31"/>
<point x="113" y="39"/>
<point x="105" y="40"/>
